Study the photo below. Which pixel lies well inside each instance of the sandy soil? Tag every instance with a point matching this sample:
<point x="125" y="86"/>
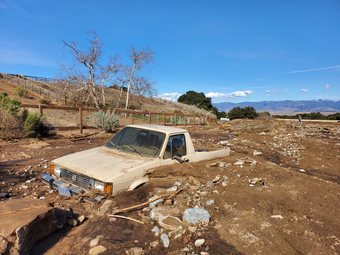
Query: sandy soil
<point x="295" y="179"/>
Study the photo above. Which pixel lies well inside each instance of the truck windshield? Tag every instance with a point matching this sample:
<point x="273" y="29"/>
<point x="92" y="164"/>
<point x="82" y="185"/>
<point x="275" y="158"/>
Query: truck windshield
<point x="143" y="142"/>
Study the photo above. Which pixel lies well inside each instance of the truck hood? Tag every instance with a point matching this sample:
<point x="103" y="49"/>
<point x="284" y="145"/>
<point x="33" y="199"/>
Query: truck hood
<point x="100" y="163"/>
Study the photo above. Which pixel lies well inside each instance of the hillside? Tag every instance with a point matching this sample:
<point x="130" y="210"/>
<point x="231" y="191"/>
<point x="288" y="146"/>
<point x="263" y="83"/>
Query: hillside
<point x="144" y="103"/>
<point x="288" y="107"/>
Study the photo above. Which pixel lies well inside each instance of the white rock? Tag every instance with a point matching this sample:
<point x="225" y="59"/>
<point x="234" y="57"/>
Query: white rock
<point x="165" y="240"/>
<point x="97" y="250"/>
<point x="199" y="242"/>
<point x="277" y="216"/>
<point x="172" y="189"/>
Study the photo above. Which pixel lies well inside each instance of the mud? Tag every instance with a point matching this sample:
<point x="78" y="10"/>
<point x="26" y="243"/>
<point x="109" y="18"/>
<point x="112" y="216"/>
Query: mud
<point x="241" y="216"/>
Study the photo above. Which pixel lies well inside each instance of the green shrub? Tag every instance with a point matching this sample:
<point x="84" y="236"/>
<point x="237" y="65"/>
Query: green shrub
<point x="11" y="105"/>
<point x="104" y="121"/>
<point x="16" y="124"/>
<point x="21" y="92"/>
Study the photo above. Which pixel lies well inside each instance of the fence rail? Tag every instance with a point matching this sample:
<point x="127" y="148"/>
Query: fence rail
<point x="126" y="117"/>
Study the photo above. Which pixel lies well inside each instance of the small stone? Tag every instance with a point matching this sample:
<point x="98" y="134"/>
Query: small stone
<point x="192" y="229"/>
<point x="185" y="240"/>
<point x="81" y="219"/>
<point x="256" y="153"/>
<point x="165" y="240"/>
<point x="146" y="219"/>
<point x="172" y="189"/>
<point x="72" y="222"/>
<point x="177" y="183"/>
<point x="97" y="250"/>
<point x="204" y="193"/>
<point x="210" y="202"/>
<point x="155" y="230"/>
<point x="94" y="242"/>
<point x="154" y="244"/>
<point x="199" y="242"/>
<point x="193" y="181"/>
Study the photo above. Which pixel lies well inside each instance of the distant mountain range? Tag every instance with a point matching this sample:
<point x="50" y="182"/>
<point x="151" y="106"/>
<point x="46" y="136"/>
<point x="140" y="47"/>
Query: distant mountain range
<point x="288" y="107"/>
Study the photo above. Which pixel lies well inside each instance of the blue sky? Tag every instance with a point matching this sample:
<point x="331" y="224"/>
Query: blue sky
<point x="231" y="50"/>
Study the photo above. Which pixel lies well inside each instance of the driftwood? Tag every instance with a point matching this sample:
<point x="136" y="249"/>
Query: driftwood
<point x="148" y="202"/>
<point x="128" y="218"/>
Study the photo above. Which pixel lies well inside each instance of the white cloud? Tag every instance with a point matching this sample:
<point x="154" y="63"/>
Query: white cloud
<point x="3" y="6"/>
<point x="316" y="69"/>
<point x="304" y="90"/>
<point x="267" y="91"/>
<point x="230" y="95"/>
<point x="286" y="89"/>
<point x="170" y="96"/>
<point x="326" y="87"/>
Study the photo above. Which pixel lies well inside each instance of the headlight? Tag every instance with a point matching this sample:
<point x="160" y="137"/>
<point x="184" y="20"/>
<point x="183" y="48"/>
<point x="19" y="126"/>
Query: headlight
<point x="99" y="185"/>
<point x="107" y="187"/>
<point x="55" y="170"/>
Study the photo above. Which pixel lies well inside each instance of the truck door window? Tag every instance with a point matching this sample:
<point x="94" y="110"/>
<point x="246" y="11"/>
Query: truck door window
<point x="176" y="145"/>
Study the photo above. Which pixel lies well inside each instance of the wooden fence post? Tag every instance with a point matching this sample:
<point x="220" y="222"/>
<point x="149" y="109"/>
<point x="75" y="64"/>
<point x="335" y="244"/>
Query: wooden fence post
<point x="175" y="120"/>
<point x="132" y="117"/>
<point x="163" y="118"/>
<point x="41" y="110"/>
<point x="81" y="120"/>
<point x="149" y="117"/>
<point x="185" y="120"/>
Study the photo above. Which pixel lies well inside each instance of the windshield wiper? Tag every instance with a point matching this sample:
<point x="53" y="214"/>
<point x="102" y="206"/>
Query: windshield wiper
<point x="114" y="145"/>
<point x="131" y="148"/>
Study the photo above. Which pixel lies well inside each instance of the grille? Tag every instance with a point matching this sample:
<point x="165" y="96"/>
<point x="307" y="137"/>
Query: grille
<point x="77" y="179"/>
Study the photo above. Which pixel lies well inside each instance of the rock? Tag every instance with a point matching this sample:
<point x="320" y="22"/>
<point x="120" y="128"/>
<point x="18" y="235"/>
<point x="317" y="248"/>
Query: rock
<point x="169" y="222"/>
<point x="222" y="164"/>
<point x="185" y="240"/>
<point x="256" y="153"/>
<point x="81" y="219"/>
<point x="263" y="133"/>
<point x="154" y="244"/>
<point x="165" y="240"/>
<point x="193" y="181"/>
<point x="302" y="170"/>
<point x="238" y="163"/>
<point x="277" y="216"/>
<point x="172" y="189"/>
<point x="146" y="219"/>
<point x="217" y="178"/>
<point x="4" y="194"/>
<point x="154" y="203"/>
<point x="135" y="251"/>
<point x="155" y="230"/>
<point x="72" y="222"/>
<point x="192" y="229"/>
<point x="97" y="250"/>
<point x="204" y="193"/>
<point x="194" y="215"/>
<point x="177" y="183"/>
<point x="3" y="245"/>
<point x="94" y="242"/>
<point x="199" y="242"/>
<point x="210" y="202"/>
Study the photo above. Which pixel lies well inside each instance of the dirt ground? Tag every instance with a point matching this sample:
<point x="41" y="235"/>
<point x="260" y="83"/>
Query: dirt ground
<point x="278" y="192"/>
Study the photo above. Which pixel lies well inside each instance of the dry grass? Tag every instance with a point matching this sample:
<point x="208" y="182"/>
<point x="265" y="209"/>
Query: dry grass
<point x="252" y="125"/>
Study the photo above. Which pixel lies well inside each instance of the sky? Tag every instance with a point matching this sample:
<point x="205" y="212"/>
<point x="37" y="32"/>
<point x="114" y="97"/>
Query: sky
<point x="231" y="50"/>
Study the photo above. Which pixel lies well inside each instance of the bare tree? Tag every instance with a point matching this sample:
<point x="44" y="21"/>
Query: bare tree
<point x="88" y="72"/>
<point x="137" y="83"/>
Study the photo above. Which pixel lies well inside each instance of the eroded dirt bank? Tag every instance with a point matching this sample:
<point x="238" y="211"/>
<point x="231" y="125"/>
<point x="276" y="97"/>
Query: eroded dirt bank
<point x="277" y="193"/>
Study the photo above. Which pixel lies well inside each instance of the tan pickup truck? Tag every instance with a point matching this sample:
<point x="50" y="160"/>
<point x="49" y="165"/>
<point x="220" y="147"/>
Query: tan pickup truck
<point x="125" y="161"/>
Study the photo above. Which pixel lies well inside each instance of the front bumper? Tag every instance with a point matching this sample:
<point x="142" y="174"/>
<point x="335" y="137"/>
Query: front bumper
<point x="55" y="183"/>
